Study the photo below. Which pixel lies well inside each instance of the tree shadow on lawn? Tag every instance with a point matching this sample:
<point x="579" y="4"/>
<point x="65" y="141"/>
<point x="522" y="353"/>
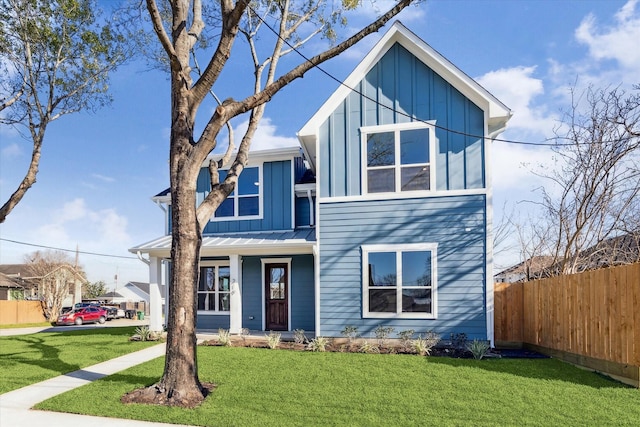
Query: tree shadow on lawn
<point x="115" y="331"/>
<point x="540" y="369"/>
<point x="49" y="354"/>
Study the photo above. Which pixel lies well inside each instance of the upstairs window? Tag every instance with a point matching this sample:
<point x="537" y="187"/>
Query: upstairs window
<point x="244" y="202"/>
<point x="398" y="158"/>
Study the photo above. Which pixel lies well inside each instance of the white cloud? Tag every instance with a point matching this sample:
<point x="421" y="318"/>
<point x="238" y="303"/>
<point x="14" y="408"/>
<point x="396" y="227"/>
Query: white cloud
<point x="265" y="137"/>
<point x="513" y="167"/>
<point x="75" y="224"/>
<point x="11" y="151"/>
<point x="103" y="178"/>
<point x="518" y="89"/>
<point x="618" y="42"/>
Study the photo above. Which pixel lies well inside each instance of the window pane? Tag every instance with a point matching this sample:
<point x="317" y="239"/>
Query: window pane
<point x="416" y="268"/>
<point x="382" y="269"/>
<point x="248" y="182"/>
<point x="415" y="178"/>
<point x="414" y="146"/>
<point x="224" y="273"/>
<point x="248" y="206"/>
<point x="277" y="283"/>
<point x="207" y="277"/>
<point x="382" y="300"/>
<point x="226" y="208"/>
<point x="211" y="302"/>
<point x="381" y="149"/>
<point x="202" y="298"/>
<point x="224" y="302"/>
<point x="222" y="174"/>
<point x="416" y="300"/>
<point x="381" y="181"/>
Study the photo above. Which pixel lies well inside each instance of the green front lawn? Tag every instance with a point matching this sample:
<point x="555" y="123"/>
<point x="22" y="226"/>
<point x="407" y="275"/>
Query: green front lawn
<point x="261" y="387"/>
<point x="28" y="359"/>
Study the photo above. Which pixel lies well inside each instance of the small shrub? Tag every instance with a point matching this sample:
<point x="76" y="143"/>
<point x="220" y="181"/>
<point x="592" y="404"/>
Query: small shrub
<point x="369" y="347"/>
<point x="423" y="345"/>
<point x="143" y="333"/>
<point x="478" y="348"/>
<point x="244" y="333"/>
<point x="318" y="344"/>
<point x="299" y="336"/>
<point x="382" y="334"/>
<point x="350" y="333"/>
<point x="406" y="339"/>
<point x="459" y="341"/>
<point x="273" y="339"/>
<point x="224" y="337"/>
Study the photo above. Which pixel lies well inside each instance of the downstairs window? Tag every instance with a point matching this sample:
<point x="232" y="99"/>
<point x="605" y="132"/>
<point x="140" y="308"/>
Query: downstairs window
<point x="399" y="280"/>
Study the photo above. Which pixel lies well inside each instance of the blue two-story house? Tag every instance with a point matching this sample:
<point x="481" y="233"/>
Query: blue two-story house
<point x="383" y="217"/>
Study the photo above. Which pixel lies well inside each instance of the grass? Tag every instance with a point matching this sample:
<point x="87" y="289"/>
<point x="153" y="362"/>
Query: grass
<point x="28" y="359"/>
<point x="280" y="388"/>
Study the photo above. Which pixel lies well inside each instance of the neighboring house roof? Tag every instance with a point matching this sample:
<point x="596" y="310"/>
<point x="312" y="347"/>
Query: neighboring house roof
<point x="9" y="282"/>
<point x="618" y="250"/>
<point x="15" y="270"/>
<point x="532" y="268"/>
<point x="69" y="268"/>
<point x="498" y="113"/>
<point x="23" y="271"/>
<point x="273" y="242"/>
<point x="111" y="294"/>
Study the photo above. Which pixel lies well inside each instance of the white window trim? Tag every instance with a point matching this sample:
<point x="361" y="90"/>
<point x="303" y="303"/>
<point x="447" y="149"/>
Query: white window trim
<point x="264" y="262"/>
<point x="398" y="127"/>
<point x="236" y="216"/>
<point x="218" y="264"/>
<point x="398" y="249"/>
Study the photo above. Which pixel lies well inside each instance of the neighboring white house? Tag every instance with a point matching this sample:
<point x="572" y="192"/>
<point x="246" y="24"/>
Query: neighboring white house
<point x="133" y="292"/>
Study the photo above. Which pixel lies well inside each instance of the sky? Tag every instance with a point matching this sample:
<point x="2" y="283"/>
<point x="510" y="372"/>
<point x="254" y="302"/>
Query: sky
<point x="98" y="171"/>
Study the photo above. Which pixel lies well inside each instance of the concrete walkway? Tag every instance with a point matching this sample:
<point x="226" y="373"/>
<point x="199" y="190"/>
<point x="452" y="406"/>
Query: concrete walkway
<point x="15" y="405"/>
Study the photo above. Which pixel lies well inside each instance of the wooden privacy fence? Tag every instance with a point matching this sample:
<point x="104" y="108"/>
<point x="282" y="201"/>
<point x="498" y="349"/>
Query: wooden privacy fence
<point x="17" y="312"/>
<point x="591" y="319"/>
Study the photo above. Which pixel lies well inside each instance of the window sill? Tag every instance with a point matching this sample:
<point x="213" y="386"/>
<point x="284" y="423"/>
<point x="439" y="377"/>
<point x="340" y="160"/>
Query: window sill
<point x="424" y="316"/>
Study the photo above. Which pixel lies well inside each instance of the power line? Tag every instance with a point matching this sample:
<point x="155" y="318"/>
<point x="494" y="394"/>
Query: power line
<point x="376" y="102"/>
<point x="68" y="250"/>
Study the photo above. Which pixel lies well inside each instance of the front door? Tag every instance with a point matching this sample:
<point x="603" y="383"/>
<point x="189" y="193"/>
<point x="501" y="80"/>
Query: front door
<point x="276" y="297"/>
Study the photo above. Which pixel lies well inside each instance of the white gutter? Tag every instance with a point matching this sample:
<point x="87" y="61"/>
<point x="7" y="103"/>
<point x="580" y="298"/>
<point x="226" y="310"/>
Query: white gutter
<point x="146" y="261"/>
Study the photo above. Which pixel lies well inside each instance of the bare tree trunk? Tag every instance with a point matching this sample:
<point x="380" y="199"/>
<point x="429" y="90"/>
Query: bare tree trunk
<point x="26" y="183"/>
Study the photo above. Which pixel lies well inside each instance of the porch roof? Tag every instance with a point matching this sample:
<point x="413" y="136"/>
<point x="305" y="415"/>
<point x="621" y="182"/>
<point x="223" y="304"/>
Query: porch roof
<point x="292" y="242"/>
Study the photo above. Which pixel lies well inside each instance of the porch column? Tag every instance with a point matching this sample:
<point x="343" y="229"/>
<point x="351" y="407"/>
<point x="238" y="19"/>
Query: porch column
<point x="155" y="299"/>
<point x="235" y="301"/>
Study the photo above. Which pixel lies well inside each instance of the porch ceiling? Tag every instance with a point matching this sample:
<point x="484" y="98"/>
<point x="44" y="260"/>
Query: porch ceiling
<point x="258" y="243"/>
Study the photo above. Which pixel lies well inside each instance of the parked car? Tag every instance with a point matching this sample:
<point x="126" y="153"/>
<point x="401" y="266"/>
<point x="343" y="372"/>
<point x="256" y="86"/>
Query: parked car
<point x="90" y="314"/>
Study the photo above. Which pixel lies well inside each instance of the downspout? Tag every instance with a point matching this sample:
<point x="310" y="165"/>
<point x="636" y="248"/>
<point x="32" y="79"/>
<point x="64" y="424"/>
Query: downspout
<point x="146" y="261"/>
<point x="166" y="216"/>
<point x="311" y="209"/>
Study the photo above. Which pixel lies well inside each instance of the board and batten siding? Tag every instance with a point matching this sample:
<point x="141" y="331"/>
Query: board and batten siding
<point x="276" y="201"/>
<point x="456" y="223"/>
<point x="400" y="89"/>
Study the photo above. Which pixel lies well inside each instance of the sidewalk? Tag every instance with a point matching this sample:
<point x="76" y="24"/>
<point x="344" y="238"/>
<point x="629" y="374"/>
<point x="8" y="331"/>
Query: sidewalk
<point x="15" y="405"/>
